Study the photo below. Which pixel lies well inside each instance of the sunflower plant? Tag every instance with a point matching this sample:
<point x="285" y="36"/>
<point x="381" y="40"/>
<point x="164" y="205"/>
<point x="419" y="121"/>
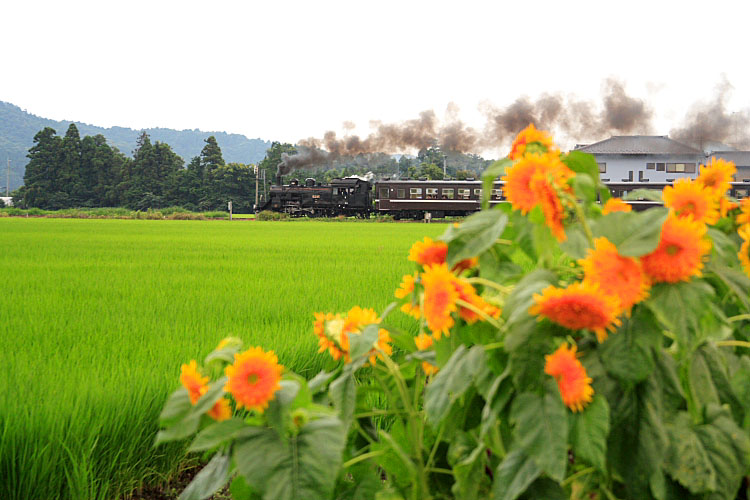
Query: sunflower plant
<point x="563" y="346"/>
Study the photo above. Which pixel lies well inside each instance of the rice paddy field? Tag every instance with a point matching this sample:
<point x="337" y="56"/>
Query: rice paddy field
<point x="96" y="317"/>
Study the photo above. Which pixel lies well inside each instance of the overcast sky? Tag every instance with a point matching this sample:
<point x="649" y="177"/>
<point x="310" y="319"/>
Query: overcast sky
<point x="286" y="70"/>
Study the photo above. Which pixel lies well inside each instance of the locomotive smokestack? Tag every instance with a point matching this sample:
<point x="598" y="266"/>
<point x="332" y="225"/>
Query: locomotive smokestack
<point x="278" y="178"/>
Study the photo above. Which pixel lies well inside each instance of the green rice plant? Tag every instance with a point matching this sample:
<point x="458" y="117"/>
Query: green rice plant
<point x="98" y="315"/>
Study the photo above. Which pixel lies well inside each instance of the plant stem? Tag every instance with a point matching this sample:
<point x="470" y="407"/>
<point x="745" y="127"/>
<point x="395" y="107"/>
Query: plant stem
<point x="362" y="458"/>
<point x="490" y="284"/>
<point x="733" y="343"/>
<point x="739" y="317"/>
<point x="584" y="223"/>
<point x="440" y="471"/>
<point x="375" y="413"/>
<point x="494" y="345"/>
<point x="471" y="307"/>
<point x="578" y="474"/>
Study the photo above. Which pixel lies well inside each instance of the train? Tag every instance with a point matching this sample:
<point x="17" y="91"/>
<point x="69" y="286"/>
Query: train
<point x="415" y="199"/>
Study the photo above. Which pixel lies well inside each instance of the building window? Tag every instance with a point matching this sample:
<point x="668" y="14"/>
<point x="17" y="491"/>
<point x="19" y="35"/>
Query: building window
<point x="687" y="168"/>
<point x="650" y="166"/>
<point x="384" y="192"/>
<point x="448" y="193"/>
<point x="602" y="167"/>
<point x="401" y="193"/>
<point x="660" y="167"/>
<point x="630" y="177"/>
<point x="640" y="177"/>
<point x="464" y="194"/>
<point x="415" y="193"/>
<point x="431" y="194"/>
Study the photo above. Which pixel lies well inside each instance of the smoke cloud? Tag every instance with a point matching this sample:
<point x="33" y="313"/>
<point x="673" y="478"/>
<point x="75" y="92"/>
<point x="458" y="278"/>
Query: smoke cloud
<point x="712" y="122"/>
<point x="567" y="117"/>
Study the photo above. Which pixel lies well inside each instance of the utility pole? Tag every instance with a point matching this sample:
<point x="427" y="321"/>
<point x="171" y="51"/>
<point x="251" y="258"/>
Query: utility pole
<point x="444" y="158"/>
<point x="7" y="180"/>
<point x="255" y="167"/>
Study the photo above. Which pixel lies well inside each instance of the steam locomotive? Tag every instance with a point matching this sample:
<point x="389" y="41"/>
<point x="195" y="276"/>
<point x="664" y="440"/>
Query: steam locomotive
<point x="413" y="199"/>
<point x="349" y="196"/>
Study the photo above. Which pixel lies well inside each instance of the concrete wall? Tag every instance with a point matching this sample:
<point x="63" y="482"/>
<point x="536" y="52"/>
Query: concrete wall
<point x="618" y="167"/>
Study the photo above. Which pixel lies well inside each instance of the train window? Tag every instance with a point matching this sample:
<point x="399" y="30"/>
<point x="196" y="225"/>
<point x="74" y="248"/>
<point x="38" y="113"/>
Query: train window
<point x="478" y="193"/>
<point x="602" y="167"/>
<point x="448" y="193"/>
<point x="431" y="193"/>
<point x="415" y="193"/>
<point x="464" y="194"/>
<point x="384" y="192"/>
<point x="401" y="193"/>
<point x="497" y="194"/>
<point x="660" y="167"/>
<point x="688" y="168"/>
<point x="650" y="166"/>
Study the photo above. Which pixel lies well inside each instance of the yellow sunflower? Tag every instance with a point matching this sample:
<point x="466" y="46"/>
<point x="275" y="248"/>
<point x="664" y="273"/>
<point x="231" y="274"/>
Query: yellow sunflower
<point x="744" y="253"/>
<point x="192" y="380"/>
<point x="688" y="198"/>
<point x="439" y="299"/>
<point x="615" y="205"/>
<point x="527" y="136"/>
<point x="716" y="176"/>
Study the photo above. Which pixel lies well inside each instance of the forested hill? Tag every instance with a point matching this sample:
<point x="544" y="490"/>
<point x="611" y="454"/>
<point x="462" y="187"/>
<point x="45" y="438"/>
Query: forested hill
<point x="17" y="130"/>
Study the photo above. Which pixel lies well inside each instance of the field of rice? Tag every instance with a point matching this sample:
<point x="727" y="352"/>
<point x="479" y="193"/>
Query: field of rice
<point x="96" y="317"/>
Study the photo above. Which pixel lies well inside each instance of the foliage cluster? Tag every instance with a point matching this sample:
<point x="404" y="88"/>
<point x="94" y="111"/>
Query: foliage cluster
<point x="618" y="367"/>
<point x="71" y="172"/>
<point x="170" y="213"/>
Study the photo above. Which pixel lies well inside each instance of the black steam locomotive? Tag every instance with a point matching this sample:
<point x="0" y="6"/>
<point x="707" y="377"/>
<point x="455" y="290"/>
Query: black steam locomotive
<point x="350" y="196"/>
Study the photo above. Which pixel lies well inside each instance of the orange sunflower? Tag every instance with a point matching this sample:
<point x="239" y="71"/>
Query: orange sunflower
<point x="221" y="410"/>
<point x="572" y="379"/>
<point x="579" y="306"/>
<point x="528" y="136"/>
<point x="518" y="178"/>
<point x="356" y="320"/>
<point x="615" y="275"/>
<point x="679" y="255"/>
<point x="254" y="378"/>
<point x="688" y="198"/>
<point x="192" y="380"/>
<point x="615" y="205"/>
<point x="439" y="298"/>
<point x="744" y="216"/>
<point x="405" y="288"/>
<point x="546" y="193"/>
<point x="424" y="342"/>
<point x="434" y="252"/>
<point x="744" y="253"/>
<point x="726" y="206"/>
<point x="716" y="176"/>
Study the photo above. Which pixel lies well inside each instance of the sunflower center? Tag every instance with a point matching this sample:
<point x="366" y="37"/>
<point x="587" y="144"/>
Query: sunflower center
<point x="688" y="208"/>
<point x="252" y="378"/>
<point x="673" y="249"/>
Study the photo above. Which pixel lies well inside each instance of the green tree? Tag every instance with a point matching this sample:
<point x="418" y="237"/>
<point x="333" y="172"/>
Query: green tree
<point x="431" y="171"/>
<point x="71" y="181"/>
<point x="270" y="163"/>
<point x="462" y="175"/>
<point x="42" y="175"/>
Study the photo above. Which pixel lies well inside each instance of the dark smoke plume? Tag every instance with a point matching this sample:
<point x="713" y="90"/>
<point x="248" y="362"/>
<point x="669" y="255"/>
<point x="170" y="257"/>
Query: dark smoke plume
<point x="712" y="122"/>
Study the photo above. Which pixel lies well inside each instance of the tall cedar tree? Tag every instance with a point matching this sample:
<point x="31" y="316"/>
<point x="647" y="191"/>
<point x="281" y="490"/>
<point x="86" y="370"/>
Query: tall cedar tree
<point x="42" y="177"/>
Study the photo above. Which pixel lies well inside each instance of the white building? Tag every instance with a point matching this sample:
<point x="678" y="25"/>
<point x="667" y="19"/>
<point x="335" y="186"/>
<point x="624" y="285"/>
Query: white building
<point x="7" y="200"/>
<point x="658" y="159"/>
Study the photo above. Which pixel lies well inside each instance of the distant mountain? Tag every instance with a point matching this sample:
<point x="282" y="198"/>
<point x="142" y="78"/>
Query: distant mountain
<point x="18" y="128"/>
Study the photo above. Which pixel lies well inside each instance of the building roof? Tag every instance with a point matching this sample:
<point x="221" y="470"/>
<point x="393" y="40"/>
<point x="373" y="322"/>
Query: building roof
<point x="740" y="158"/>
<point x="639" y="145"/>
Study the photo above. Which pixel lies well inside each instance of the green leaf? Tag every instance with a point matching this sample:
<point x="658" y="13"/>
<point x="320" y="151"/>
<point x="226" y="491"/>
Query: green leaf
<point x="584" y="187"/>
<point x="497" y="169"/>
<point x="527" y="362"/>
<point x="514" y="475"/>
<point x="718" y="369"/>
<point x="687" y="461"/>
<point x="240" y="490"/>
<point x="633" y="233"/>
<point x="736" y="281"/>
<point x="177" y="406"/>
<point x="582" y="163"/>
<point x="498" y="396"/>
<point x="304" y="467"/>
<point x="343" y="393"/>
<point x="213" y="394"/>
<point x="466" y="457"/>
<point x="474" y="235"/>
<point x="318" y="382"/>
<point x="541" y="428"/>
<point x="208" y="481"/>
<point x="362" y="482"/>
<point x="452" y="381"/>
<point x="588" y="434"/>
<point x="679" y="306"/>
<point x="179" y="430"/>
<point x="360" y="345"/>
<point x="628" y="354"/>
<point x="545" y="488"/>
<point x="577" y="244"/>
<point x="519" y="323"/>
<point x="279" y="407"/>
<point x="216" y="434"/>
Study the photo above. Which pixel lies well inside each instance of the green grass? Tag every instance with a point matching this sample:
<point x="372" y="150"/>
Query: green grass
<point x="98" y="315"/>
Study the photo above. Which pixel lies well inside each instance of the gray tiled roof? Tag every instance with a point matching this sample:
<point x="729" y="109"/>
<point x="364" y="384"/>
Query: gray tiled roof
<point x="740" y="158"/>
<point x="639" y="145"/>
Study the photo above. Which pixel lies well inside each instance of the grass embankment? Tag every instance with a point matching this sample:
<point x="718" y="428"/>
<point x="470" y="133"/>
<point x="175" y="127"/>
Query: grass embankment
<point x="98" y="315"/>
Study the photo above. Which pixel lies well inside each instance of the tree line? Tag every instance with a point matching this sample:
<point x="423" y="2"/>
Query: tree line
<point x="70" y="172"/>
